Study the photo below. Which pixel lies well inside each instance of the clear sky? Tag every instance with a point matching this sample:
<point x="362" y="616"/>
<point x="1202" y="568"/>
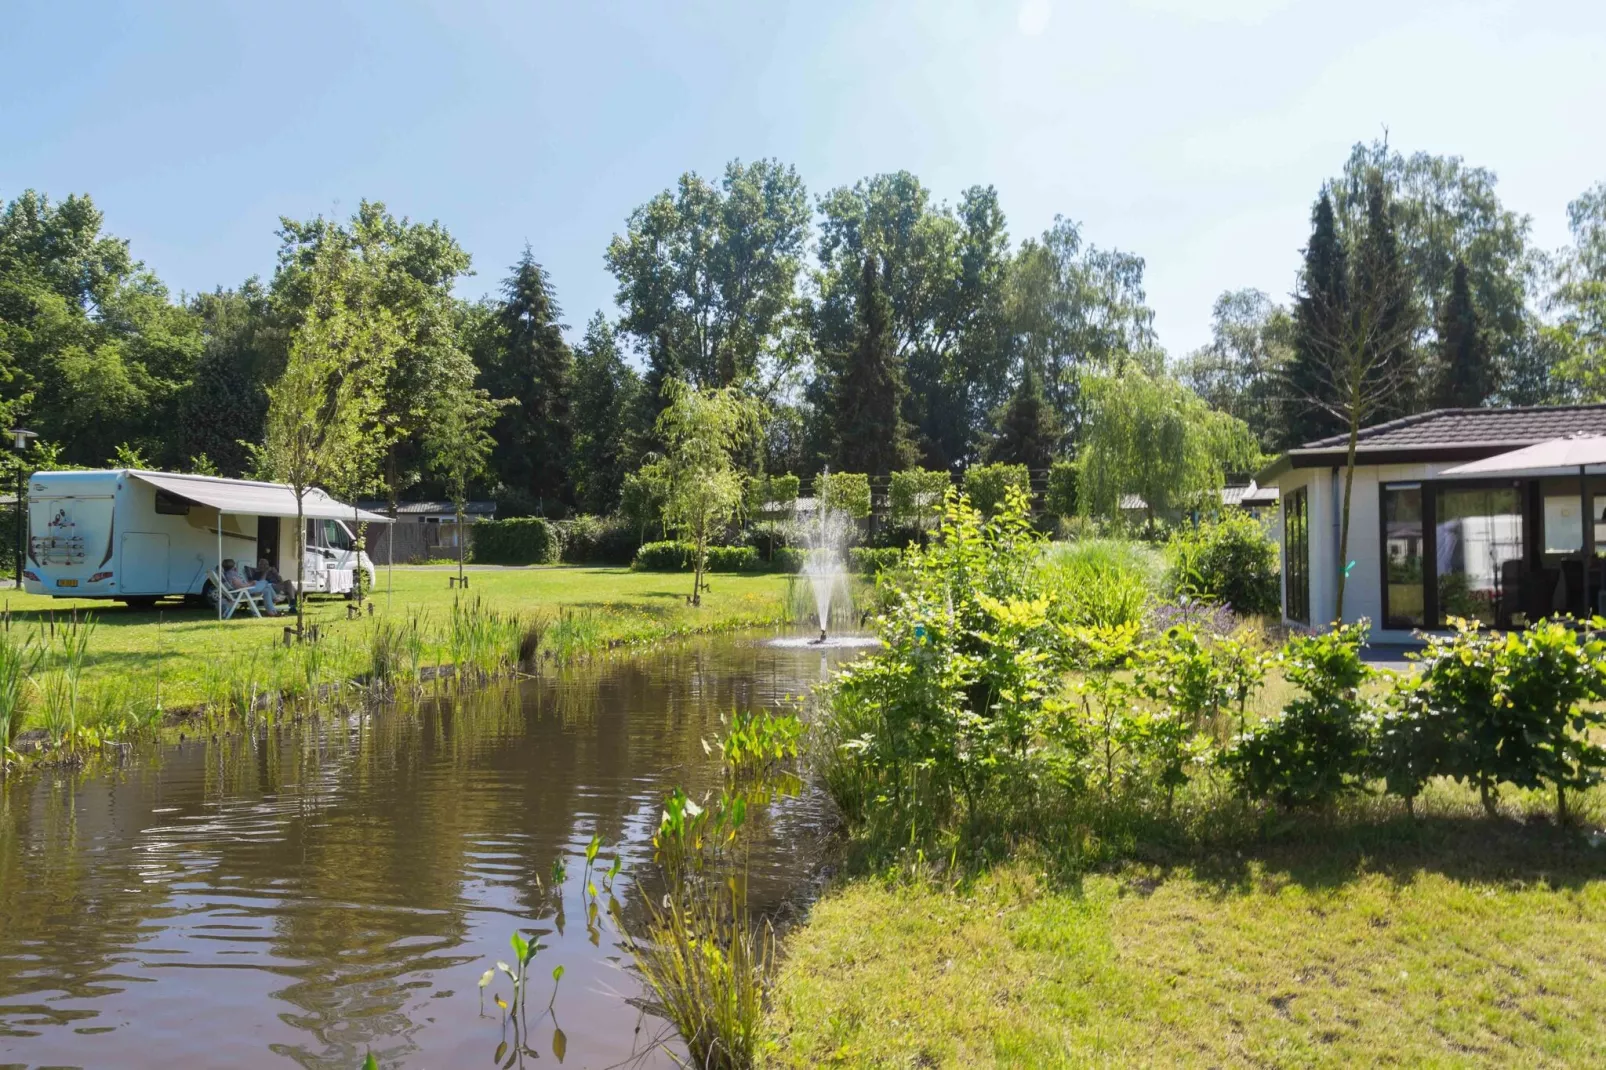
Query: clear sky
<point x="1192" y="132"/>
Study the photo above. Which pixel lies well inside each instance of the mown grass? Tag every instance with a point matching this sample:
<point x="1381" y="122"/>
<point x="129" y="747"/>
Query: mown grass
<point x="1450" y="940"/>
<point x="191" y="655"/>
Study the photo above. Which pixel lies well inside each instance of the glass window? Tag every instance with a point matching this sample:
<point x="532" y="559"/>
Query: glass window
<point x="1296" y="557"/>
<point x="1404" y="592"/>
<point x="1478" y="542"/>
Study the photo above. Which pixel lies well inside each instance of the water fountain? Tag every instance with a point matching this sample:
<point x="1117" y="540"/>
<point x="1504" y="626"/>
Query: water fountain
<point x="825" y="537"/>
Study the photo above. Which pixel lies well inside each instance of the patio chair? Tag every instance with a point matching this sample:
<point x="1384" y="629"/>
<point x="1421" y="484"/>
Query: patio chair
<point x="234" y="597"/>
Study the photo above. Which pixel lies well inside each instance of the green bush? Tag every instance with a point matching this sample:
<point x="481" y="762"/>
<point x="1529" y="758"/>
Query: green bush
<point x="914" y="498"/>
<point x="846" y="492"/>
<point x="872" y="560"/>
<point x="986" y="485"/>
<point x="788" y="559"/>
<point x="1060" y="501"/>
<point x="595" y="540"/>
<point x="1104" y="582"/>
<point x="1489" y="708"/>
<point x="1318" y="747"/>
<point x="677" y="557"/>
<point x="1232" y="561"/>
<point x="524" y="540"/>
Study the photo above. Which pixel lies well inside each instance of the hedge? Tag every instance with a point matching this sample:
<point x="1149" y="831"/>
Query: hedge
<point x="524" y="540"/>
<point x="594" y="540"/>
<point x="870" y="560"/>
<point x="677" y="557"/>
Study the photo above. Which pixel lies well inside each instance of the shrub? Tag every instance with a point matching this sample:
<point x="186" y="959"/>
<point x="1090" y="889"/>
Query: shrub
<point x="595" y="540"/>
<point x="677" y="557"/>
<point x="873" y="560"/>
<point x="846" y="492"/>
<point x="1232" y="560"/>
<point x="914" y="499"/>
<point x="987" y="485"/>
<point x="1104" y="582"/>
<point x="1060" y="500"/>
<point x="1489" y="709"/>
<point x="1318" y="746"/>
<point x="525" y="540"/>
<point x="788" y="559"/>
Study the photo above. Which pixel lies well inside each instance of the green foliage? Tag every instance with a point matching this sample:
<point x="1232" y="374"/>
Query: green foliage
<point x="915" y="497"/>
<point x="20" y="655"/>
<point x="845" y="492"/>
<point x="873" y="560"/>
<point x="1241" y="371"/>
<point x="1061" y="497"/>
<point x="869" y="394"/>
<point x="1489" y="708"/>
<point x="680" y="557"/>
<point x="1103" y="582"/>
<point x="1232" y="561"/>
<point x="1026" y="431"/>
<point x="1317" y="748"/>
<point x="605" y="396"/>
<point x="1153" y="437"/>
<point x="988" y="485"/>
<point x="596" y="540"/>
<point x="756" y="741"/>
<point x="523" y="540"/>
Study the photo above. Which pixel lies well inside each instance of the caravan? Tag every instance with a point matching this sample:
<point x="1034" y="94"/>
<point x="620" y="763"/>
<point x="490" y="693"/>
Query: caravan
<point x="138" y="536"/>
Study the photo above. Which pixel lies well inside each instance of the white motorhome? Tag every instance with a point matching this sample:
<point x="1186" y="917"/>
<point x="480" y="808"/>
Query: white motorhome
<point x="137" y="536"/>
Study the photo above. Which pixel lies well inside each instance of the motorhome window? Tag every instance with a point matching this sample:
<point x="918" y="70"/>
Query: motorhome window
<point x="171" y="504"/>
<point x="1296" y="550"/>
<point x="1403" y="588"/>
<point x="1478" y="545"/>
<point x="334" y="536"/>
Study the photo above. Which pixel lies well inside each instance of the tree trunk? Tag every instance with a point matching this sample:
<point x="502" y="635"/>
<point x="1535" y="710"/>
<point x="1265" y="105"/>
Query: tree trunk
<point x="1561" y="805"/>
<point x="462" y="541"/>
<point x="301" y="563"/>
<point x="1343" y="533"/>
<point x="1486" y="795"/>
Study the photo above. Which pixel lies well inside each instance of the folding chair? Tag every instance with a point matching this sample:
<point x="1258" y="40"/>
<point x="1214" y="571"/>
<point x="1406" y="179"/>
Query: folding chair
<point x="233" y="598"/>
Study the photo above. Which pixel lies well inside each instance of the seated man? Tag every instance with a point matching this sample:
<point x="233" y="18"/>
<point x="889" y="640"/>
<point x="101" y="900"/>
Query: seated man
<point x="236" y="582"/>
<point x="268" y="573"/>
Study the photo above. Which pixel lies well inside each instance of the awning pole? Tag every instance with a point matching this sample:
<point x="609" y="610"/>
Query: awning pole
<point x="390" y="561"/>
<point x="219" y="591"/>
<point x="1586" y="536"/>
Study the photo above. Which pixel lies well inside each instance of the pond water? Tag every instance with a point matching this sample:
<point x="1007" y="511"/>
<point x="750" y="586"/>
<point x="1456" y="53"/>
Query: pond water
<point x="299" y="896"/>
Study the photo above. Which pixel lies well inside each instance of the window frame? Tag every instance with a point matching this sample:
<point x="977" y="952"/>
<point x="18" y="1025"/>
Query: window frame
<point x="1296" y="556"/>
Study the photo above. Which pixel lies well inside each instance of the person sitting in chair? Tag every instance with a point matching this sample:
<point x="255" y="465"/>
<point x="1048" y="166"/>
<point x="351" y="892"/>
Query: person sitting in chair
<point x="267" y="573"/>
<point x="236" y="582"/>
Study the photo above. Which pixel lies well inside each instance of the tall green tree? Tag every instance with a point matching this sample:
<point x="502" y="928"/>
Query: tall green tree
<point x="605" y="396"/>
<point x="1076" y="310"/>
<point x="325" y="412"/>
<point x="1321" y="308"/>
<point x="871" y="434"/>
<point x="1026" y="430"/>
<point x="714" y="267"/>
<point x="1151" y="436"/>
<point x="1381" y="290"/>
<point x="224" y="406"/>
<point x="1465" y="365"/>
<point x="529" y="362"/>
<point x="459" y="444"/>
<point x="1241" y="371"/>
<point x="1578" y="300"/>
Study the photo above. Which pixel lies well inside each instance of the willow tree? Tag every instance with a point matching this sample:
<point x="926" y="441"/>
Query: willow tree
<point x="1151" y="436"/>
<point x="702" y="487"/>
<point x="323" y="422"/>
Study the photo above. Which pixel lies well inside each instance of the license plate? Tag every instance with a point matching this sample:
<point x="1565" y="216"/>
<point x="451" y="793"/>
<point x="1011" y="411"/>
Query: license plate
<point x="66" y="583"/>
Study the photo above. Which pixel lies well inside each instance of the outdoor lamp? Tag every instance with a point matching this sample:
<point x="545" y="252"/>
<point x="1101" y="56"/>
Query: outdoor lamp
<point x="20" y="438"/>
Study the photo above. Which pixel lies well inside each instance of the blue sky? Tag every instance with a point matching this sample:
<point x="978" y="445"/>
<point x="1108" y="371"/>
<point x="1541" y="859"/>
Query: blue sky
<point x="1192" y="132"/>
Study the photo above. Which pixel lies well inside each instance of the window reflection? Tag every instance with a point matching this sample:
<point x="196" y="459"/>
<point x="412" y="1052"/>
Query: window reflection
<point x="1402" y="548"/>
<point x="1478" y="541"/>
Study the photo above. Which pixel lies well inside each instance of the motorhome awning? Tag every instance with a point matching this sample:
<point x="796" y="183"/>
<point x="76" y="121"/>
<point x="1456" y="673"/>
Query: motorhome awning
<point x="244" y="497"/>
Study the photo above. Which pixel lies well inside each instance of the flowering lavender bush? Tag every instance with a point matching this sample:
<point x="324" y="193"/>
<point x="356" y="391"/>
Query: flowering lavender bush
<point x="1205" y="617"/>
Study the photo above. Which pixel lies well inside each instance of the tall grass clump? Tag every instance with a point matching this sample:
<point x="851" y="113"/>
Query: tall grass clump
<point x="705" y="960"/>
<point x="1104" y="582"/>
<point x="575" y="632"/>
<point x="480" y="641"/>
<point x="20" y="654"/>
<point x="396" y="652"/>
<point x="66" y="653"/>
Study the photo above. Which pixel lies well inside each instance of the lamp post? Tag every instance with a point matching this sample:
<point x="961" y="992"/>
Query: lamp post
<point x="19" y="442"/>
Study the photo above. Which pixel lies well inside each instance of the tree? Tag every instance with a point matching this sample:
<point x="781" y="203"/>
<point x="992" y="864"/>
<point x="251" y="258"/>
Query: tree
<point x="915" y="497"/>
<point x="871" y="436"/>
<point x="1241" y="371"/>
<point x="604" y="397"/>
<point x="459" y="442"/>
<point x="243" y="350"/>
<point x="530" y="363"/>
<point x="1355" y="359"/>
<point x="714" y="268"/>
<point x="1321" y="308"/>
<point x="324" y="410"/>
<point x="1578" y="301"/>
<point x="844" y="492"/>
<point x="1465" y="371"/>
<point x="1445" y="212"/>
<point x="1151" y="436"/>
<point x="943" y="272"/>
<point x="988" y="485"/>
<point x="1027" y="432"/>
<point x="702" y="489"/>
<point x="1076" y="310"/>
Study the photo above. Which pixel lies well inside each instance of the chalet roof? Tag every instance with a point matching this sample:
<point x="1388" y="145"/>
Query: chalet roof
<point x="1446" y="435"/>
<point x="430" y="508"/>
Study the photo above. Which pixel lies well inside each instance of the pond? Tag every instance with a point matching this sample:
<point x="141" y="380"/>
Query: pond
<point x="301" y="895"/>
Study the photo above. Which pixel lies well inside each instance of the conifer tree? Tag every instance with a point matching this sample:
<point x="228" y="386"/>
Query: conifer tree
<point x="1382" y="284"/>
<point x="1027" y="430"/>
<point x="1465" y="372"/>
<point x="871" y="434"/>
<point x="663" y="367"/>
<point x="534" y="368"/>
<point x="605" y="389"/>
<point x="1319" y="306"/>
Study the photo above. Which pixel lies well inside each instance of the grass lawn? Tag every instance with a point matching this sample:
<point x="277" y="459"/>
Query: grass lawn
<point x="1453" y="941"/>
<point x="190" y="651"/>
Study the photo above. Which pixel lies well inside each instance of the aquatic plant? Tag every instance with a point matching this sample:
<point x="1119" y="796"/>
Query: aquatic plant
<point x="756" y="740"/>
<point x="481" y="641"/>
<point x="20" y="654"/>
<point x="66" y="654"/>
<point x="575" y="632"/>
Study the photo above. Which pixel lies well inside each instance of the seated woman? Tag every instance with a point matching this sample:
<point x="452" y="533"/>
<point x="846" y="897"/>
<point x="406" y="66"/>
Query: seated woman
<point x="236" y="582"/>
<point x="267" y="573"/>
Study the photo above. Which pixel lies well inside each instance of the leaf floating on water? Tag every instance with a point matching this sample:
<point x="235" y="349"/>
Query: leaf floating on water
<point x="560" y="1043"/>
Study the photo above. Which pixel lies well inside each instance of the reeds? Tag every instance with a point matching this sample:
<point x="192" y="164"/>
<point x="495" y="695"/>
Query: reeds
<point x="480" y="641"/>
<point x="20" y="654"/>
<point x="66" y="652"/>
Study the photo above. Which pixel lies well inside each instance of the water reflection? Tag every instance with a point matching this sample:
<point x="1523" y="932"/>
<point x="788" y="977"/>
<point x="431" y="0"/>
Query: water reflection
<point x="315" y="893"/>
